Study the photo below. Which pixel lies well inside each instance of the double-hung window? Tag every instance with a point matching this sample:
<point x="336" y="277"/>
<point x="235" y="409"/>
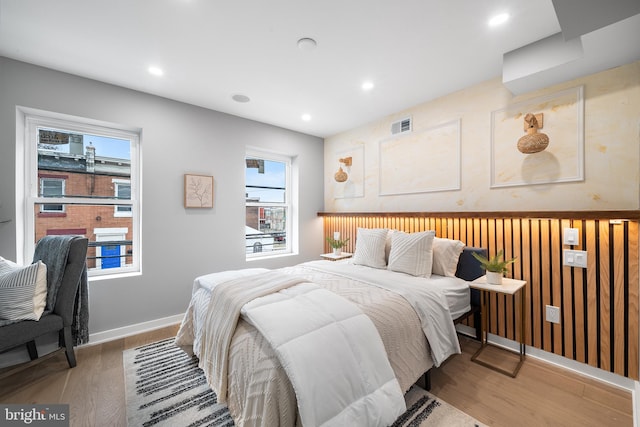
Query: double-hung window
<point x="81" y="177"/>
<point x="269" y="209"/>
<point x="52" y="187"/>
<point x="122" y="189"/>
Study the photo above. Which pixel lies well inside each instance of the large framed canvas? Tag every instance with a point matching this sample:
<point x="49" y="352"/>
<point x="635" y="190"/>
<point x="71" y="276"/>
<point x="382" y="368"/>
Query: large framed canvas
<point x="421" y="161"/>
<point x="561" y="161"/>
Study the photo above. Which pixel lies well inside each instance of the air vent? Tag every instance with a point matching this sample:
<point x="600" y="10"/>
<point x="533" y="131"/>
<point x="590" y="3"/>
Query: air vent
<point x="401" y="126"/>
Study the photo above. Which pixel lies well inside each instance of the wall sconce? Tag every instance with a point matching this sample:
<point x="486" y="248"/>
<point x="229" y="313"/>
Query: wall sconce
<point x="533" y="142"/>
<point x="341" y="175"/>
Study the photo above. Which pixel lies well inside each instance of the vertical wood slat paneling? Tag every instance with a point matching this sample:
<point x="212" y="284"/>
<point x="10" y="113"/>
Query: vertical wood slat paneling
<point x="605" y="294"/>
<point x="598" y="305"/>
<point x="556" y="291"/>
<point x="593" y="330"/>
<point x="534" y="282"/>
<point x="567" y="315"/>
<point x="633" y="241"/>
<point x="545" y="283"/>
<point x="618" y="298"/>
<point x="576" y="275"/>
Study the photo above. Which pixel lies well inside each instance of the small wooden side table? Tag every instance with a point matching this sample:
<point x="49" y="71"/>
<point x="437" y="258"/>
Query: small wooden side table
<point x="333" y="257"/>
<point x="508" y="287"/>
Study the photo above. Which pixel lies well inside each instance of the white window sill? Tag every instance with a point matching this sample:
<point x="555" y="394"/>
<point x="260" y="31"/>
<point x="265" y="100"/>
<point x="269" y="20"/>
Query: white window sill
<point x="262" y="257"/>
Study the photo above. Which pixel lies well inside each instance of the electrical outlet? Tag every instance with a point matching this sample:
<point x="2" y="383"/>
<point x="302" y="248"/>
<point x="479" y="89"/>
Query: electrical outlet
<point x="552" y="314"/>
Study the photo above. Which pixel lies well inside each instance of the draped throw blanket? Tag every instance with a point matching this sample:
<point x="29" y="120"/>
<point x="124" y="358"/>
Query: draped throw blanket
<point x="54" y="251"/>
<point x="222" y="317"/>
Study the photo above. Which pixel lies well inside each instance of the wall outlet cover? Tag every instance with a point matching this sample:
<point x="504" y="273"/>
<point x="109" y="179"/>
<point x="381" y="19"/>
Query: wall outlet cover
<point x="552" y="314"/>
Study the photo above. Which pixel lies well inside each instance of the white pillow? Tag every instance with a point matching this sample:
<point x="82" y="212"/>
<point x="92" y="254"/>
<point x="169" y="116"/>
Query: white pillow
<point x="23" y="290"/>
<point x="412" y="253"/>
<point x="446" y="253"/>
<point x="370" y="244"/>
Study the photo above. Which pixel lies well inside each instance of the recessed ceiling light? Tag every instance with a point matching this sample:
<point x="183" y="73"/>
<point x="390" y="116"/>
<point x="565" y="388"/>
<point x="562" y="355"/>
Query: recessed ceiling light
<point x="498" y="19"/>
<point x="238" y="97"/>
<point x="367" y="85"/>
<point x="307" y="43"/>
<point x="156" y="71"/>
<point x="306" y="117"/>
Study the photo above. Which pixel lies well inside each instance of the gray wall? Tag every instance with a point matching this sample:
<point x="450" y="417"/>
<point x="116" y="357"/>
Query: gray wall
<point x="177" y="244"/>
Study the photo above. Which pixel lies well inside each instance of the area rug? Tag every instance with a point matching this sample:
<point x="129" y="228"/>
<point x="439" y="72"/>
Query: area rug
<point x="165" y="387"/>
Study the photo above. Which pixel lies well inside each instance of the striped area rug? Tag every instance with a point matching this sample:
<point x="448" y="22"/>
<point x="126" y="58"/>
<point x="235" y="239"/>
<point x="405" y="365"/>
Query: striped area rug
<point x="165" y="387"/>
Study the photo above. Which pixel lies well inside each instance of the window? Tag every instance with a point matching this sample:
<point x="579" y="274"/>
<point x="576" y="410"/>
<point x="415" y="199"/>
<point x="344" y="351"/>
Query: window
<point x="122" y="190"/>
<point x="268" y="205"/>
<point x="81" y="177"/>
<point x="51" y="187"/>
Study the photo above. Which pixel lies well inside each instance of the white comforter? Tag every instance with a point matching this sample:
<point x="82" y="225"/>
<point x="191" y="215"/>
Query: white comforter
<point x="424" y="295"/>
<point x="351" y="382"/>
<point x="261" y="390"/>
<point x="333" y="356"/>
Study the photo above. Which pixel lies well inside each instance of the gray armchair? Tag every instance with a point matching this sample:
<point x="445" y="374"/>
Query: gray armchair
<point x="65" y="257"/>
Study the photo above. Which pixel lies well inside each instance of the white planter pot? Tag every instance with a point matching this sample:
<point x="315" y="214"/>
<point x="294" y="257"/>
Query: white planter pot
<point x="494" y="278"/>
<point x="337" y="251"/>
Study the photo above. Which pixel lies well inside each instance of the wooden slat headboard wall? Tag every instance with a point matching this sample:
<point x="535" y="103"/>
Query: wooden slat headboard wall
<point x="599" y="304"/>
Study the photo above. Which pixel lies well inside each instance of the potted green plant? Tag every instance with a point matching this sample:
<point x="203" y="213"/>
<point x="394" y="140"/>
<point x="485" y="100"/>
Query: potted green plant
<point x="495" y="266"/>
<point x="337" y="244"/>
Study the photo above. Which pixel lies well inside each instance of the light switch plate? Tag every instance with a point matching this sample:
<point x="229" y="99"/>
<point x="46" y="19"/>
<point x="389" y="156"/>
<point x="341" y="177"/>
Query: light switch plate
<point x="574" y="258"/>
<point x="571" y="236"/>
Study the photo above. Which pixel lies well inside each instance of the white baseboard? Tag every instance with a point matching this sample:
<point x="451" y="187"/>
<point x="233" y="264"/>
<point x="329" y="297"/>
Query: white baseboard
<point x="125" y="331"/>
<point x="636" y="405"/>
<point x="563" y="362"/>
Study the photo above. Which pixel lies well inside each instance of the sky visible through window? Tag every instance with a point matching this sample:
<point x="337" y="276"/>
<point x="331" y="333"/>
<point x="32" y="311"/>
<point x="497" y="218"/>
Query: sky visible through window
<point x="105" y="146"/>
<point x="109" y="147"/>
<point x="273" y="178"/>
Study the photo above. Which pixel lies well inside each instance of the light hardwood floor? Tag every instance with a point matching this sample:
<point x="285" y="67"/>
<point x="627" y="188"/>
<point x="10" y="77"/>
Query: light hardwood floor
<point x="541" y="395"/>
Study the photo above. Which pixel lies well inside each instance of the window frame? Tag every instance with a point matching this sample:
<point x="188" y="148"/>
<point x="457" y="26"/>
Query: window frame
<point x="288" y="204"/>
<point x="117" y="182"/>
<point x="63" y="182"/>
<point x="28" y="122"/>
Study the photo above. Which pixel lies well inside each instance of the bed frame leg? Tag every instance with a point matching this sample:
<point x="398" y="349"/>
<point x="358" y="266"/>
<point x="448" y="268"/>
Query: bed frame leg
<point x="425" y="381"/>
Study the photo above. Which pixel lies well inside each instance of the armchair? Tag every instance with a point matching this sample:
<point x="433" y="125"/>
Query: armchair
<point x="65" y="257"/>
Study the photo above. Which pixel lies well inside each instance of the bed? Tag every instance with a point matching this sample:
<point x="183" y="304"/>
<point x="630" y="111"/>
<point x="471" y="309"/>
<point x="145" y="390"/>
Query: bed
<point x="285" y="373"/>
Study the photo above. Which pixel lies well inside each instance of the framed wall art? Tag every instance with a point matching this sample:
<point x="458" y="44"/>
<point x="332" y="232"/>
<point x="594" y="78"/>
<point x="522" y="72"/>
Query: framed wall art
<point x="422" y="161"/>
<point x="349" y="179"/>
<point x="198" y="191"/>
<point x="560" y="116"/>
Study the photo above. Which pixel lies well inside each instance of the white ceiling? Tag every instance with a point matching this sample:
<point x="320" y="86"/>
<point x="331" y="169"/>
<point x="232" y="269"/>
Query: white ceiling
<point x="412" y="50"/>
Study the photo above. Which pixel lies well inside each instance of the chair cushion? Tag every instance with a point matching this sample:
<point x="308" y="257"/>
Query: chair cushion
<point x="23" y="290"/>
<point x="22" y="332"/>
